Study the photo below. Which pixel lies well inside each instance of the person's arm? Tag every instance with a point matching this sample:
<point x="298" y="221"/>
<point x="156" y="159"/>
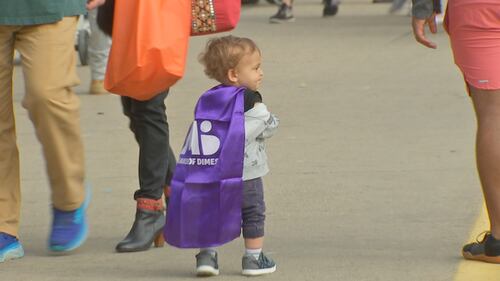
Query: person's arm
<point x="259" y="123"/>
<point x="255" y="121"/>
<point x="271" y="127"/>
<point x="424" y="14"/>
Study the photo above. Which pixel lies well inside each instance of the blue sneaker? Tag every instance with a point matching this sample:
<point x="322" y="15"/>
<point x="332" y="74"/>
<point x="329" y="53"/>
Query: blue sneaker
<point x="10" y="248"/>
<point x="69" y="228"/>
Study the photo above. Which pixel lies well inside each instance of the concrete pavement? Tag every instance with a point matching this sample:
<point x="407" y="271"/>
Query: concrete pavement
<point x="372" y="171"/>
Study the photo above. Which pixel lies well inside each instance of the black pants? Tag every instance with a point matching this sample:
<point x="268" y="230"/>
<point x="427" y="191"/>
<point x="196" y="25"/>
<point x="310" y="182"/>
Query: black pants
<point x="148" y="122"/>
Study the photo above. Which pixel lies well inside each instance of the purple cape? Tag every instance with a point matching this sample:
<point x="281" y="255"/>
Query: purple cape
<point x="206" y="190"/>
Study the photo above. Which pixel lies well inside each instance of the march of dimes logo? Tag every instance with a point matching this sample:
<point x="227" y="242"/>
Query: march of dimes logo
<point x="200" y="146"/>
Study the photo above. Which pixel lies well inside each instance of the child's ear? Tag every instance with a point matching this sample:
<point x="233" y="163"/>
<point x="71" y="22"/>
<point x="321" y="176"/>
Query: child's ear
<point x="232" y="75"/>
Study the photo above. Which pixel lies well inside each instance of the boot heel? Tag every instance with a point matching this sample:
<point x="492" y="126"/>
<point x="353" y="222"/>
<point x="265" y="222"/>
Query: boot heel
<point x="147" y="228"/>
<point x="159" y="241"/>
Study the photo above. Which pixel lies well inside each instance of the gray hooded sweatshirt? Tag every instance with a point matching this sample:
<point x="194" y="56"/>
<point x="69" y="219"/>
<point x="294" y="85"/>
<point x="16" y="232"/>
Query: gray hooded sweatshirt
<point x="260" y="124"/>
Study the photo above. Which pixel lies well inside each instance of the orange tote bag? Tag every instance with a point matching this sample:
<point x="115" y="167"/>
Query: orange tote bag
<point x="148" y="53"/>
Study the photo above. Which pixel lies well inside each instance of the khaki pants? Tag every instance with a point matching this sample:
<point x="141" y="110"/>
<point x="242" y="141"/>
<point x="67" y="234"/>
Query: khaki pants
<point x="49" y="67"/>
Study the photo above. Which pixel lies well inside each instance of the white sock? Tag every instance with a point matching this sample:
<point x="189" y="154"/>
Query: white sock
<point x="253" y="252"/>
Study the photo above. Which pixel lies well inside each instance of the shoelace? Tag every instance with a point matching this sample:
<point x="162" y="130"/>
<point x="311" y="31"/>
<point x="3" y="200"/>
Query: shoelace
<point x="485" y="234"/>
<point x="264" y="261"/>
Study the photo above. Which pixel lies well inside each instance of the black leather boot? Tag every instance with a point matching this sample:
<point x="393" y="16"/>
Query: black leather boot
<point x="147" y="227"/>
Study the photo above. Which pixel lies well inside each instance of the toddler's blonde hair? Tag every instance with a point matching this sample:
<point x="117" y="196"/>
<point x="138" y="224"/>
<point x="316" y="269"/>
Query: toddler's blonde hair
<point x="224" y="53"/>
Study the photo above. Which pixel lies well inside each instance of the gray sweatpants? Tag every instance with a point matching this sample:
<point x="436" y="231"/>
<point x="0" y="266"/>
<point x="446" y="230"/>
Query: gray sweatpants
<point x="99" y="45"/>
<point x="253" y="209"/>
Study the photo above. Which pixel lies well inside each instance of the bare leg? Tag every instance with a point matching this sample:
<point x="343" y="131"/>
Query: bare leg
<point x="254" y="243"/>
<point x="487" y="107"/>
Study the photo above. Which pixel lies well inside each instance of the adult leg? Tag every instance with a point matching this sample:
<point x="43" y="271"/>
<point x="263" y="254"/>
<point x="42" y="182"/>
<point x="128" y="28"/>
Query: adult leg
<point x="148" y="122"/>
<point x="487" y="107"/>
<point x="99" y="45"/>
<point x="49" y="66"/>
<point x="10" y="195"/>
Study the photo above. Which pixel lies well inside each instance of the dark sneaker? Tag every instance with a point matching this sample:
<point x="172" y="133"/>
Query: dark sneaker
<point x="331" y="8"/>
<point x="487" y="250"/>
<point x="284" y="14"/>
<point x="10" y="248"/>
<point x="69" y="228"/>
<point x="206" y="264"/>
<point x="252" y="266"/>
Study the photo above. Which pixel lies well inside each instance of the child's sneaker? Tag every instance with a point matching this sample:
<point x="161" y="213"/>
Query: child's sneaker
<point x="69" y="228"/>
<point x="262" y="265"/>
<point x="206" y="264"/>
<point x="487" y="250"/>
<point x="284" y="14"/>
<point x="10" y="248"/>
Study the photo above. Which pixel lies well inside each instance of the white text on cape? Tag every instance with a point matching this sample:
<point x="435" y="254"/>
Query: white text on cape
<point x="199" y="161"/>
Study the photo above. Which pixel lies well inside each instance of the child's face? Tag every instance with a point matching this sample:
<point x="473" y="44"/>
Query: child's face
<point x="248" y="73"/>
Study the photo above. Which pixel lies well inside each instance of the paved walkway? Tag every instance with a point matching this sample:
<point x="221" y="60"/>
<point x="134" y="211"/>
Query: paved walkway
<point x="372" y="176"/>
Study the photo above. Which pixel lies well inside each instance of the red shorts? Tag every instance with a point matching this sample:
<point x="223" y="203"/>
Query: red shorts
<point x="474" y="29"/>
